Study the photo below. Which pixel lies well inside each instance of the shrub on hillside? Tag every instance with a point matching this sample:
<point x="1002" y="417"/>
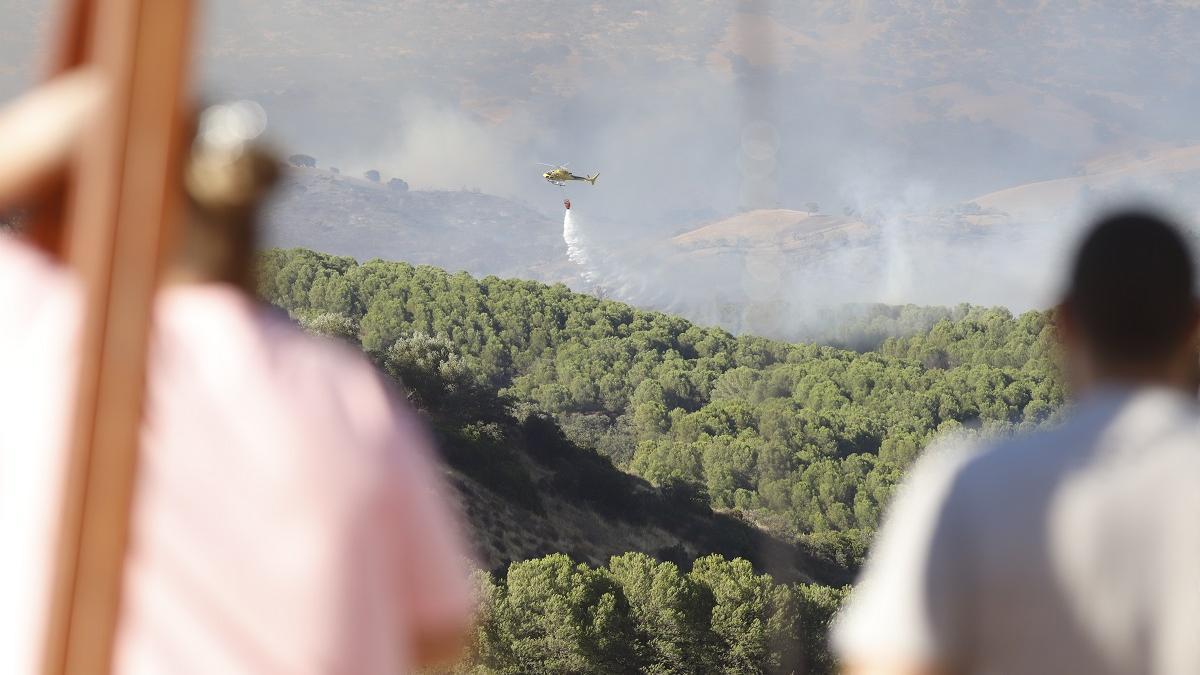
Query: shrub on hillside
<point x="307" y="161"/>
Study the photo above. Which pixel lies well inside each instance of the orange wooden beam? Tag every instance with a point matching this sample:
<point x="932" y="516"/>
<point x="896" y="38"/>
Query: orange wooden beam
<point x="122" y="199"/>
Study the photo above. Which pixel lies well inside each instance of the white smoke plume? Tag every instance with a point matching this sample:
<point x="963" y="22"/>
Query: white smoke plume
<point x="576" y="252"/>
<point x="637" y="271"/>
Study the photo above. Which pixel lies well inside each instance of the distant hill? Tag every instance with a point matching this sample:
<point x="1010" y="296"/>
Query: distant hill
<point x="771" y="230"/>
<point x="867" y="95"/>
<point x="778" y="272"/>
<point x="458" y="230"/>
<point x="1172" y="172"/>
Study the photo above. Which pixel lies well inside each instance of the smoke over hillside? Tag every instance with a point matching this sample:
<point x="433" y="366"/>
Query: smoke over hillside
<point x="970" y="140"/>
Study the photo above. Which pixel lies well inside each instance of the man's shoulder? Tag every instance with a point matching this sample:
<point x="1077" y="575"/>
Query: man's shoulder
<point x="1020" y="451"/>
<point x="1110" y="423"/>
<point x="1098" y="436"/>
<point x="956" y="456"/>
<point x="976" y="475"/>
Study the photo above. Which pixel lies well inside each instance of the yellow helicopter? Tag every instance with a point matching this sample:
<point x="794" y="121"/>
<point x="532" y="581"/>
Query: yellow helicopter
<point x="559" y="175"/>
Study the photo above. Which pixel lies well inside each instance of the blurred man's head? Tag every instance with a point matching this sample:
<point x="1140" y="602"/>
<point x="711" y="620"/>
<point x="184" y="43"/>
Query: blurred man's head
<point x="1130" y="314"/>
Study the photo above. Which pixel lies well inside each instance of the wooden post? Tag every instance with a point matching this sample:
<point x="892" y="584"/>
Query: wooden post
<point x="121" y="200"/>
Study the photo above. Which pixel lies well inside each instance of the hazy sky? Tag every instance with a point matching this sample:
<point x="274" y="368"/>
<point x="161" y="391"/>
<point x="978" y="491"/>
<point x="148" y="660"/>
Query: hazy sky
<point x="660" y="96"/>
<point x="694" y="109"/>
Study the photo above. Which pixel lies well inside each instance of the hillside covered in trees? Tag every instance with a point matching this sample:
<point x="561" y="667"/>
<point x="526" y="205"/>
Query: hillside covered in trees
<point x="644" y="432"/>
<point x="637" y="614"/>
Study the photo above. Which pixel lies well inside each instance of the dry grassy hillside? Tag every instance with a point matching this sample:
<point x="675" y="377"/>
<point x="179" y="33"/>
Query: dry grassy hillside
<point x="1173" y="171"/>
<point x="776" y="230"/>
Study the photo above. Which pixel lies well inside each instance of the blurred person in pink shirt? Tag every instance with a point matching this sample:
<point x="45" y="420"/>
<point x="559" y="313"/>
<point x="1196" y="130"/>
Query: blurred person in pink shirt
<point x="289" y="516"/>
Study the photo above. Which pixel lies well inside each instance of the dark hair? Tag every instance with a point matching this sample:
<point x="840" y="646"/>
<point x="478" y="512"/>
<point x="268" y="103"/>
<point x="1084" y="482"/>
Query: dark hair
<point x="1131" y="287"/>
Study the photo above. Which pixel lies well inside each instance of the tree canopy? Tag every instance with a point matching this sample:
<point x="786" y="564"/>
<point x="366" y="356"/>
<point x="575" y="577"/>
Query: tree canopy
<point x="806" y="440"/>
<point x="552" y="615"/>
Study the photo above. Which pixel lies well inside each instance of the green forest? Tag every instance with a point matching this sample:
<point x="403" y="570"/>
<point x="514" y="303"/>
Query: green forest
<point x="551" y="615"/>
<point x="802" y="442"/>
